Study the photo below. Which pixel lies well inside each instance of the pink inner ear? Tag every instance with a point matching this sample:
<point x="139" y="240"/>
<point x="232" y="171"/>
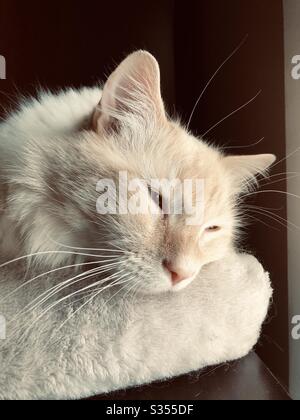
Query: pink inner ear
<point x="96" y="118"/>
<point x="134" y="87"/>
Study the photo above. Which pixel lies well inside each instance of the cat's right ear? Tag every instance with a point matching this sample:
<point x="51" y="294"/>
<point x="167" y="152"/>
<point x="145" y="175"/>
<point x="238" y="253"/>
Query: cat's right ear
<point x="243" y="170"/>
<point x="133" y="89"/>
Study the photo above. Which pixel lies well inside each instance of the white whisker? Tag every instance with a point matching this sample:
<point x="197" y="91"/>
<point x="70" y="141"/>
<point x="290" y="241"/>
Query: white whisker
<point x="52" y="252"/>
<point x="213" y="77"/>
<point x="38" y="301"/>
<point x="285" y="158"/>
<point x="280" y="180"/>
<point x="272" y="191"/>
<point x="117" y="282"/>
<point x="89" y="249"/>
<point x="30" y="324"/>
<point x="54" y="271"/>
<point x="261" y="221"/>
<point x="244" y="146"/>
<point x="232" y="113"/>
<point x="275" y="216"/>
<point x="270" y="217"/>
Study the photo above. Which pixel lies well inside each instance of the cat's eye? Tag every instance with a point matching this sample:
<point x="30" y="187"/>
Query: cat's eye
<point x="156" y="197"/>
<point x="213" y="228"/>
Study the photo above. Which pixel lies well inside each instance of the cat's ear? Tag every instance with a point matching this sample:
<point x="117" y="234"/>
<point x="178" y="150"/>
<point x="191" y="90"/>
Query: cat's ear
<point x="244" y="169"/>
<point x="132" y="89"/>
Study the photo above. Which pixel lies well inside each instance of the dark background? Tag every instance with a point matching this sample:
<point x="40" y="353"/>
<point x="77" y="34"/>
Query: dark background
<point x="74" y="43"/>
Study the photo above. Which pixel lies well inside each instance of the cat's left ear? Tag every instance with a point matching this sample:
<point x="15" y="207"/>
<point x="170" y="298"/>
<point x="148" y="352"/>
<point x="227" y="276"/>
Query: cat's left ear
<point x="244" y="169"/>
<point x="132" y="89"/>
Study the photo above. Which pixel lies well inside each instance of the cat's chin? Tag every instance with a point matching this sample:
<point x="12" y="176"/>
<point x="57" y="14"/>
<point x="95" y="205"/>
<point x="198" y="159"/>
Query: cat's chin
<point x="182" y="285"/>
<point x="169" y="288"/>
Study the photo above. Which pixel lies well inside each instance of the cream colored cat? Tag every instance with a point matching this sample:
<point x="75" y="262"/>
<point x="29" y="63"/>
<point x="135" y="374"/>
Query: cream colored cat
<point x="53" y="151"/>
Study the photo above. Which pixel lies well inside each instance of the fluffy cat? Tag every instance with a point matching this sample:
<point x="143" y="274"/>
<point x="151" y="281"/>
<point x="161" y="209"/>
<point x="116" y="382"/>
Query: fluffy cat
<point x="53" y="151"/>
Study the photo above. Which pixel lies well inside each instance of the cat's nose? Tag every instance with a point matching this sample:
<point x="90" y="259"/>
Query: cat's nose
<point x="178" y="274"/>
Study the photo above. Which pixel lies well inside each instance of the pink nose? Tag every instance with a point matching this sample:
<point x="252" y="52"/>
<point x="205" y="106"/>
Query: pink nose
<point x="177" y="274"/>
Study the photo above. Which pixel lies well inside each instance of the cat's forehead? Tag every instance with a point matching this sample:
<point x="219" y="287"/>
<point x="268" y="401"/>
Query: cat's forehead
<point x="169" y="153"/>
<point x="175" y="152"/>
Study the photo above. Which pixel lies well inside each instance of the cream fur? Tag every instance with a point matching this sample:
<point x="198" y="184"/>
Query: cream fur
<point x="53" y="151"/>
<point x="51" y="165"/>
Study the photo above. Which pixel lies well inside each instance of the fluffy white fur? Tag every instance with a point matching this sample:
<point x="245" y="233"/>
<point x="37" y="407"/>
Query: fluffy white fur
<point x="135" y="340"/>
<point x="53" y="151"/>
<point x="56" y="148"/>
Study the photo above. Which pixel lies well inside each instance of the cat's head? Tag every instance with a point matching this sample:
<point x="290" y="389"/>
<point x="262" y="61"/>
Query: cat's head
<point x="131" y="133"/>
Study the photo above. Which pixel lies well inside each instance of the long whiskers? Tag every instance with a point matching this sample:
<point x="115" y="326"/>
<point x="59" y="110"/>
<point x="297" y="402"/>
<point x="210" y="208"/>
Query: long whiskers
<point x="232" y="113"/>
<point x="92" y="249"/>
<point x="126" y="281"/>
<point x="30" y="324"/>
<point x="53" y="252"/>
<point x="285" y="158"/>
<point x="244" y="146"/>
<point x="273" y="216"/>
<point x="280" y="180"/>
<point x="53" y="305"/>
<point x="262" y="222"/>
<point x="213" y="77"/>
<point x="42" y="298"/>
<point x="54" y="271"/>
<point x="272" y="191"/>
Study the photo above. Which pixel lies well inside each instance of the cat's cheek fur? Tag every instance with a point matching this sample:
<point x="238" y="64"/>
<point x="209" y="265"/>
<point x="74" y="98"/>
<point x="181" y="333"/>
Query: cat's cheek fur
<point x="43" y="234"/>
<point x="9" y="240"/>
